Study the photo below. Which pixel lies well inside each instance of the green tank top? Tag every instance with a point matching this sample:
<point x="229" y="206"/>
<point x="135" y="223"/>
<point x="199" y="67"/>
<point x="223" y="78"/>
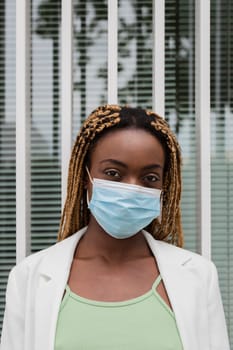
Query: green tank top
<point x="145" y="322"/>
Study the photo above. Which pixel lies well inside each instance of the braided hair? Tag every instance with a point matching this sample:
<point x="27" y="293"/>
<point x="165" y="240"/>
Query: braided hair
<point x="109" y="118"/>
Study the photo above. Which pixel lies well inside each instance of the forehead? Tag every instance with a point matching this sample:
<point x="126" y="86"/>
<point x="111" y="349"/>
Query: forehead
<point x="129" y="145"/>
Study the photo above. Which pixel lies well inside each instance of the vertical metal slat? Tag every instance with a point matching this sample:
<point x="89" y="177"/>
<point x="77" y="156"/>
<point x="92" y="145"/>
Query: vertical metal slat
<point x="23" y="122"/>
<point x="112" y="51"/>
<point x="202" y="90"/>
<point x="158" y="56"/>
<point x="67" y="91"/>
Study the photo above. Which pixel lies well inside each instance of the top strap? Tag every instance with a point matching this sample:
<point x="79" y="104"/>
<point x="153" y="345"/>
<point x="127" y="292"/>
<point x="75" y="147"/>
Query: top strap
<point x="157" y="281"/>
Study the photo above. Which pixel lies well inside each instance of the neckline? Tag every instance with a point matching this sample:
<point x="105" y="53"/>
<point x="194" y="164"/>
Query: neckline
<point x="114" y="303"/>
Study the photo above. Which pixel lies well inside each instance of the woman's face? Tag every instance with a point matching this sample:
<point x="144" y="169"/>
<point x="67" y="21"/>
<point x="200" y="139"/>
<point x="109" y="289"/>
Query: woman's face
<point x="132" y="156"/>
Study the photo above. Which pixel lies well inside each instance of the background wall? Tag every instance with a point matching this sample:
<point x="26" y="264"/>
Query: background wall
<point x="136" y="86"/>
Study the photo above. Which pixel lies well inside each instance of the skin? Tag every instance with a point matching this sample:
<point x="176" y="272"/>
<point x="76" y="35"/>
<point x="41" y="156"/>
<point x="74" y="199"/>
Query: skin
<point x="105" y="268"/>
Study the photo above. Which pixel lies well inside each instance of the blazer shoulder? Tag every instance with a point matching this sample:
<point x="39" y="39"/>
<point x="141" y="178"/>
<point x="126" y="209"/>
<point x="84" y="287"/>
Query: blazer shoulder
<point x="33" y="261"/>
<point x="21" y="271"/>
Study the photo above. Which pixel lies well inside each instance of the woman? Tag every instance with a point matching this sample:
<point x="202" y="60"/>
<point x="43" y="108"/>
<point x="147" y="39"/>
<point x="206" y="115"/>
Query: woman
<point x="118" y="278"/>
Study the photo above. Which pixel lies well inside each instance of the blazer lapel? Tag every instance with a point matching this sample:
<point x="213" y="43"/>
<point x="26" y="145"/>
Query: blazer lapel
<point x="174" y="265"/>
<point x="53" y="276"/>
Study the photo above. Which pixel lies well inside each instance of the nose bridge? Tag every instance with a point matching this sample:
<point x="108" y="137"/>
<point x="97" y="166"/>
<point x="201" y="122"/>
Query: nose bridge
<point x="132" y="179"/>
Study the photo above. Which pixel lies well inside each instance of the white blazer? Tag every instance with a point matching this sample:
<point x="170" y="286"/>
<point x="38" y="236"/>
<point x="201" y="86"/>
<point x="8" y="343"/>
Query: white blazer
<point x="36" y="286"/>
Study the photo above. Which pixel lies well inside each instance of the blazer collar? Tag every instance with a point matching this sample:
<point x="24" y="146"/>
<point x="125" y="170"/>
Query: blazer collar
<point x="160" y="249"/>
<point x="58" y="261"/>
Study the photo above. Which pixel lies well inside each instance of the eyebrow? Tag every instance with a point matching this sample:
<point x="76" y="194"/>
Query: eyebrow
<point x="118" y="162"/>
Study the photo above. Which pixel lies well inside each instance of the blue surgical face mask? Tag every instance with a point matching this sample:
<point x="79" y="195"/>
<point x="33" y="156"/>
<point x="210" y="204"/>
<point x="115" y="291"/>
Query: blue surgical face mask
<point x="122" y="209"/>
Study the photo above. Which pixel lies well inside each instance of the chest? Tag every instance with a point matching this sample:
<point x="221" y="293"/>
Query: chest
<point x="98" y="280"/>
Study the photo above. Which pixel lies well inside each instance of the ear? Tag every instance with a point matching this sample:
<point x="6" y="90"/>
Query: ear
<point x="86" y="178"/>
<point x="85" y="183"/>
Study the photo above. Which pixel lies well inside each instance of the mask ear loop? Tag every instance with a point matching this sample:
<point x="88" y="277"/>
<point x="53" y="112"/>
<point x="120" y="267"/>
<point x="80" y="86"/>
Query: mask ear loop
<point x="88" y="202"/>
<point x="159" y="218"/>
<point x="89" y="175"/>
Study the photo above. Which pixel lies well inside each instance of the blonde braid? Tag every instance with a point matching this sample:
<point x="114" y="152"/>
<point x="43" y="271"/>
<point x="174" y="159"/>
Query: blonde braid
<point x="170" y="228"/>
<point x="75" y="213"/>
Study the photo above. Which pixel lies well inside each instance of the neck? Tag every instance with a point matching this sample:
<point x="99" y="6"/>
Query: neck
<point x="97" y="242"/>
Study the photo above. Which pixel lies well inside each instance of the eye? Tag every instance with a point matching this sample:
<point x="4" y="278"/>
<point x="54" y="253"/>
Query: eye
<point x="113" y="173"/>
<point x="151" y="178"/>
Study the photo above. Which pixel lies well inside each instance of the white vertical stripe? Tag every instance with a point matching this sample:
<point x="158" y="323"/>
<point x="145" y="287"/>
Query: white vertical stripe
<point x="158" y="56"/>
<point x="67" y="88"/>
<point x="112" y="50"/>
<point x="202" y="50"/>
<point x="22" y="129"/>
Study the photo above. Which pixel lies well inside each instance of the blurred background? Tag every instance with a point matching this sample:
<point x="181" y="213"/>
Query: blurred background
<point x="135" y="86"/>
